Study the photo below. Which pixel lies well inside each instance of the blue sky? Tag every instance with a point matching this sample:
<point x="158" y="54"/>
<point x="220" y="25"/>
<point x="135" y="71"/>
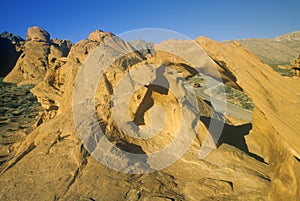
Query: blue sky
<point x="219" y="20"/>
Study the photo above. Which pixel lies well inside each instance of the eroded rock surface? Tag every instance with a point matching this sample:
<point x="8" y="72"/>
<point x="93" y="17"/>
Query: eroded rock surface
<point x="40" y="54"/>
<point x="275" y="118"/>
<point x="295" y="65"/>
<point x="53" y="164"/>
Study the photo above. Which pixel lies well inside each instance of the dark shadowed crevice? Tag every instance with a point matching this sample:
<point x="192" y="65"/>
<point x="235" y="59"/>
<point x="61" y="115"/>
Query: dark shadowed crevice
<point x="159" y="85"/>
<point x="232" y="135"/>
<point x="8" y="56"/>
<point x="139" y="155"/>
<point x="131" y="148"/>
<point x="147" y="103"/>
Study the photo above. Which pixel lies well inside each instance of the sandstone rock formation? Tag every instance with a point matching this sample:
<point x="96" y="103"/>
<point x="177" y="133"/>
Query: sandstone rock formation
<point x="275" y="122"/>
<point x="209" y="67"/>
<point x="10" y="49"/>
<point x="295" y="65"/>
<point x="296" y="62"/>
<point x="144" y="47"/>
<point x="54" y="92"/>
<point x="40" y="54"/>
<point x="52" y="162"/>
<point x="37" y="34"/>
<point x="58" y="49"/>
<point x="100" y="36"/>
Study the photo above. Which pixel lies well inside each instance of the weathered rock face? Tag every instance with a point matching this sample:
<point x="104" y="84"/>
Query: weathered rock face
<point x="40" y="54"/>
<point x="32" y="64"/>
<point x="296" y="62"/>
<point x="295" y="65"/>
<point x="100" y="36"/>
<point x="58" y="49"/>
<point x="144" y="47"/>
<point x="52" y="163"/>
<point x="209" y="67"/>
<point x="54" y="92"/>
<point x="275" y="118"/>
<point x="10" y="49"/>
<point x="37" y="34"/>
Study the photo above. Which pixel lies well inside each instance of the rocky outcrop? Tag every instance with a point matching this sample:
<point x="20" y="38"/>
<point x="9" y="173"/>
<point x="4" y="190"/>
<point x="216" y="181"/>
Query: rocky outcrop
<point x="54" y="92"/>
<point x="37" y="34"/>
<point x="183" y="47"/>
<point x="275" y="132"/>
<point x="40" y="54"/>
<point x="11" y="46"/>
<point x="100" y="36"/>
<point x="53" y="164"/>
<point x="295" y="65"/>
<point x="58" y="49"/>
<point x="32" y="64"/>
<point x="146" y="48"/>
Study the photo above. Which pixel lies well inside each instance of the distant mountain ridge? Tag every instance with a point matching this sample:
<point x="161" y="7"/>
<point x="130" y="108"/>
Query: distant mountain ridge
<point x="293" y="36"/>
<point x="276" y="51"/>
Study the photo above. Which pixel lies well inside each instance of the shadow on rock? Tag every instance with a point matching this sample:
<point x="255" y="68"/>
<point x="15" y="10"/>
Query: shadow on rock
<point x="232" y="135"/>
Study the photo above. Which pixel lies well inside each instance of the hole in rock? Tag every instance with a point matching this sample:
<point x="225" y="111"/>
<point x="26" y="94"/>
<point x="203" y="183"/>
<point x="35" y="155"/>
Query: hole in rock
<point x="147" y="103"/>
<point x="160" y="85"/>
